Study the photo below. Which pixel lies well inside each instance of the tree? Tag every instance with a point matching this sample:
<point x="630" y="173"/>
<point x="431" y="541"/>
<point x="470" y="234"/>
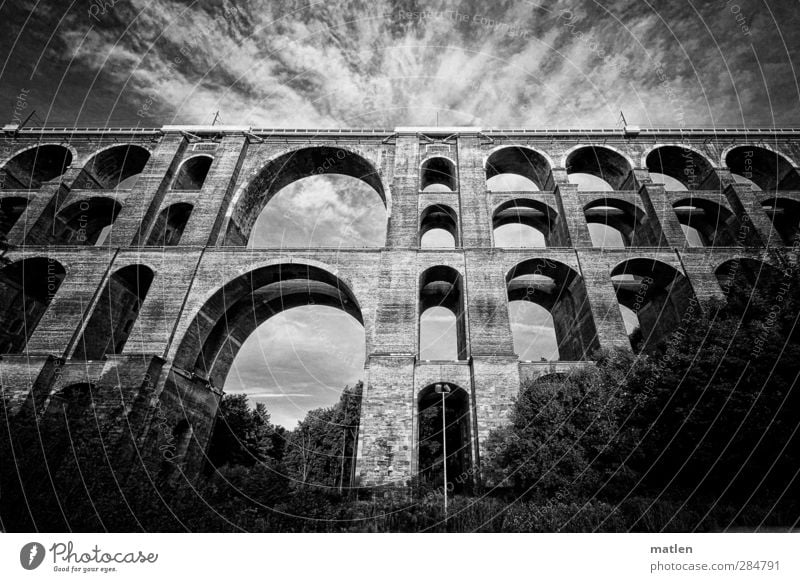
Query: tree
<point x="243" y="435"/>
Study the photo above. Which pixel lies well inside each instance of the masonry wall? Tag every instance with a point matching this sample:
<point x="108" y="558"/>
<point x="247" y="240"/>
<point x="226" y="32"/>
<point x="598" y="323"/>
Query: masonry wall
<point x="154" y="383"/>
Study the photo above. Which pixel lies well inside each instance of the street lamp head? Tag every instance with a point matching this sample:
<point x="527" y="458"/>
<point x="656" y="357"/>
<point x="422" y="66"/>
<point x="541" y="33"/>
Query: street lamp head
<point x="442" y="388"/>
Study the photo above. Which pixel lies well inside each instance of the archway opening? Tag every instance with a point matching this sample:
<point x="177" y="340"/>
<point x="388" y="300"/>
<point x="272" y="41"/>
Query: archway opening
<point x="437" y="432"/>
<point x="657" y="297"/>
<point x="192" y="173"/>
<point x="87" y="222"/>
<point x="27" y="288"/>
<point x="438" y="175"/>
<point x="11" y="209"/>
<point x="706" y="223"/>
<point x="618" y="223"/>
<point x="680" y="169"/>
<point x="115" y="313"/>
<point x="28" y="170"/>
<point x="117" y="167"/>
<point x="438" y="227"/>
<point x="785" y="216"/>
<point x="298" y="360"/>
<point x="561" y="292"/>
<point x="170" y="224"/>
<point x="533" y="331"/>
<point x="525" y="223"/>
<point x="596" y="168"/>
<point x="441" y="287"/>
<point x="516" y="168"/>
<point x="762" y="168"/>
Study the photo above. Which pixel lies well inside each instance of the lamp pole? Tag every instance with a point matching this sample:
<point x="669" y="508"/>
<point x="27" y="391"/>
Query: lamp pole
<point x="444" y="389"/>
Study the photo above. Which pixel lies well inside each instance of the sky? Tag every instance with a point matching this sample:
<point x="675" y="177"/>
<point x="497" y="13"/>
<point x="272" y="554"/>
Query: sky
<point x="375" y="63"/>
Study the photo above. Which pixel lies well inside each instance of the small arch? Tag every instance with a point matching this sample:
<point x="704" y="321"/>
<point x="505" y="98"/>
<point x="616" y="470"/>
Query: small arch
<point x="170" y="224"/>
<point x="442" y="287"/>
<point x="437" y="223"/>
<point x="706" y="223"/>
<point x="524" y="168"/>
<point x="116" y="167"/>
<point x="27" y="287"/>
<point x="618" y="223"/>
<point x="682" y="164"/>
<point x="561" y="291"/>
<point x="11" y="209"/>
<point x="32" y="167"/>
<point x="87" y="222"/>
<point x="657" y="294"/>
<point x="765" y="168"/>
<point x="602" y="163"/>
<point x="525" y="223"/>
<point x="192" y="173"/>
<point x="438" y="174"/>
<point x="450" y="427"/>
<point x="785" y="216"/>
<point x="115" y="312"/>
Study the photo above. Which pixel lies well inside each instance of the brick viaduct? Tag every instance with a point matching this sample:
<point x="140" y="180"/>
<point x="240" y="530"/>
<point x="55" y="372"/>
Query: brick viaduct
<point x="127" y="271"/>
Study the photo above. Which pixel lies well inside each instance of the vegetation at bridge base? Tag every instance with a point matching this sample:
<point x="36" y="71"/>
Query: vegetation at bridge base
<point x="697" y="434"/>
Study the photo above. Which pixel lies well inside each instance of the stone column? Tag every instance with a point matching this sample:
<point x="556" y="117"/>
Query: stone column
<point x="401" y="231"/>
<point x="608" y="322"/>
<point x="476" y="227"/>
<point x="571" y="210"/>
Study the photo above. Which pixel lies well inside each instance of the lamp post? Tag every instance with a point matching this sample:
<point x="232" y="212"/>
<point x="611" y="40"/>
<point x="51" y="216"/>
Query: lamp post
<point x="444" y="389"/>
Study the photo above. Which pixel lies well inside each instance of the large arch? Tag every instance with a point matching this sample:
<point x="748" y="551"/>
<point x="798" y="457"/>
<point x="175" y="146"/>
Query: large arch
<point x="192" y="173"/>
<point x="531" y="214"/>
<point x="452" y="428"/>
<point x="112" y="168"/>
<point x="683" y="164"/>
<point x="712" y="223"/>
<point x="30" y="168"/>
<point x="27" y="287"/>
<point x="285" y="169"/>
<point x="85" y="222"/>
<point x="442" y="287"/>
<point x="601" y="162"/>
<point x="115" y="313"/>
<point x="656" y="293"/>
<point x="170" y="224"/>
<point x="767" y="169"/>
<point x="624" y="217"/>
<point x="519" y="161"/>
<point x="561" y="291"/>
<point x="235" y="310"/>
<point x="438" y="174"/>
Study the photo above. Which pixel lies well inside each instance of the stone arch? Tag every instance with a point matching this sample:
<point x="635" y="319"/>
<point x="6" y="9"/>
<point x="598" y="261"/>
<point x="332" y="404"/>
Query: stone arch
<point x="684" y="164"/>
<point x="604" y="162"/>
<point x="520" y="161"/>
<point x="286" y="168"/>
<point x="626" y="218"/>
<point x="561" y="291"/>
<point x="768" y="169"/>
<point x="438" y="170"/>
<point x="234" y="311"/>
<point x="438" y="217"/>
<point x="170" y="224"/>
<point x="656" y="293"/>
<point x="11" y="208"/>
<point x="442" y="287"/>
<point x="27" y="287"/>
<point x="457" y="434"/>
<point x="115" y="312"/>
<point x="113" y="167"/>
<point x="31" y="167"/>
<point x="85" y="222"/>
<point x="530" y="213"/>
<point x="713" y="223"/>
<point x="785" y="216"/>
<point x="192" y="173"/>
